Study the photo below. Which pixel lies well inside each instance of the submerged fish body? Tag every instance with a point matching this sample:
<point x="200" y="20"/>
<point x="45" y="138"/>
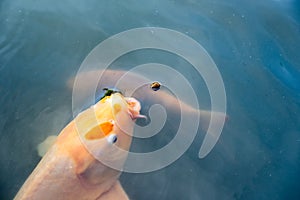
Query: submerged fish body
<point x="71" y="168"/>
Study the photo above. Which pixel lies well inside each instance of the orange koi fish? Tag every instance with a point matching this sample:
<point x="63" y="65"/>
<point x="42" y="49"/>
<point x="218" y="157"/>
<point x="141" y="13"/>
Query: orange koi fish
<point x="72" y="169"/>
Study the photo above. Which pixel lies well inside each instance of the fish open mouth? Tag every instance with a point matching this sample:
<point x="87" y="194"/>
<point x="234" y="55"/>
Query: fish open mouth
<point x="134" y="105"/>
<point x="134" y="108"/>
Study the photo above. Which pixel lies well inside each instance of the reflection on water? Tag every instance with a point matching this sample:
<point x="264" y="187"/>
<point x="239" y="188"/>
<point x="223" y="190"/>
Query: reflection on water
<point x="254" y="44"/>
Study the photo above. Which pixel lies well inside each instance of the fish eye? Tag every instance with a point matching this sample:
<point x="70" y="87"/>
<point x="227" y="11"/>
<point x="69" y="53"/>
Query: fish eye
<point x="112" y="138"/>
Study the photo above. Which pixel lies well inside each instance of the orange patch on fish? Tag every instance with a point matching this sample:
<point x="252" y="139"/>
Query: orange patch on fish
<point x="106" y="127"/>
<point x="96" y="133"/>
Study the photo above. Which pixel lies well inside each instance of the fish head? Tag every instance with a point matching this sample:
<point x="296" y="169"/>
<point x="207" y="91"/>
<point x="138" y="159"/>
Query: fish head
<point x="106" y="128"/>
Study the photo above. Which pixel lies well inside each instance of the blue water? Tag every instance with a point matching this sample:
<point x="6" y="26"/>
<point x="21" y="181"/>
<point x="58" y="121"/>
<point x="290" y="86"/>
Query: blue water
<point x="255" y="45"/>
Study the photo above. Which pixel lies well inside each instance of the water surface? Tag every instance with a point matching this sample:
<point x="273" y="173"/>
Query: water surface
<point x="255" y="45"/>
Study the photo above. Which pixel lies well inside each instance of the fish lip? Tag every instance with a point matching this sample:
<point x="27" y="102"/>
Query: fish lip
<point x="134" y="108"/>
<point x="136" y="116"/>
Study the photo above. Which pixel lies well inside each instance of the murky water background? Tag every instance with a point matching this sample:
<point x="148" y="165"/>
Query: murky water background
<point x="255" y="45"/>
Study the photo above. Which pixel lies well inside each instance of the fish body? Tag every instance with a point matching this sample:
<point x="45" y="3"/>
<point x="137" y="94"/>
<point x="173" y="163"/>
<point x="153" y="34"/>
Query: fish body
<point x="73" y="167"/>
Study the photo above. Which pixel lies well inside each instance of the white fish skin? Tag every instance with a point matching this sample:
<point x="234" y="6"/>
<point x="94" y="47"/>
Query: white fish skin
<point x="70" y="171"/>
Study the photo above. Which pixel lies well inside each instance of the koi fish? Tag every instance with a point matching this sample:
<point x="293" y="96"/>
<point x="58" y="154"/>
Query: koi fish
<point x="72" y="167"/>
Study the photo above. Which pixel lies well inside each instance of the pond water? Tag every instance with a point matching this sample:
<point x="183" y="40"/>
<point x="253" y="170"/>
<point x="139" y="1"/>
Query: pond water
<point x="255" y="45"/>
